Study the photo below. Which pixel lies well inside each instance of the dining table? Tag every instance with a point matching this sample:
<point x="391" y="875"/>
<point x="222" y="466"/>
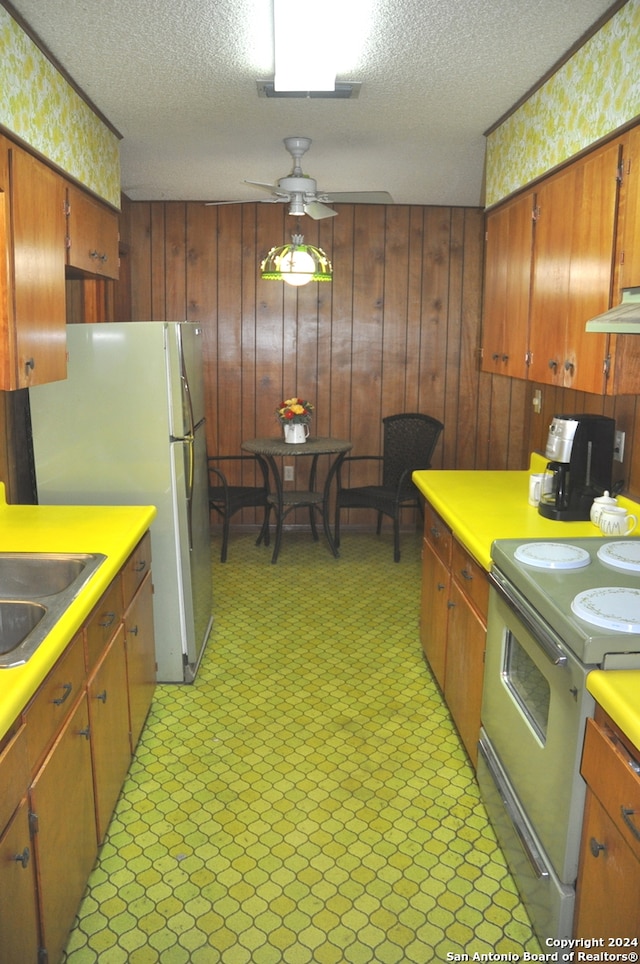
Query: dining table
<point x="284" y="501"/>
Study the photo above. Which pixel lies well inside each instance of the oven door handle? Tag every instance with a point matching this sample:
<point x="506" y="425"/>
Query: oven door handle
<point x="526" y="839"/>
<point x="527" y="616"/>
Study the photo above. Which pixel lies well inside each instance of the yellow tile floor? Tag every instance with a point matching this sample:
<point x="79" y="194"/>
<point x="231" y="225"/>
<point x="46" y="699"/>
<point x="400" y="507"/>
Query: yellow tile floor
<point x="307" y="798"/>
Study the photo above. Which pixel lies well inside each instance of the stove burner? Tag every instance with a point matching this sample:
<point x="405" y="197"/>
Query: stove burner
<point x="552" y="555"/>
<point x="612" y="607"/>
<point x="621" y="555"/>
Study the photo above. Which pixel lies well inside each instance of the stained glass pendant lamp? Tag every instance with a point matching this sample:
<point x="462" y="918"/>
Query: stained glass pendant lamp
<point x="296" y="263"/>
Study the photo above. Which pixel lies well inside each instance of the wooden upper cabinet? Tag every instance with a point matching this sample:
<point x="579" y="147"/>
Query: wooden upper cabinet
<point x="627" y="274"/>
<point x="625" y="349"/>
<point x="7" y="340"/>
<point x="92" y="235"/>
<point x="507" y="283"/>
<point x="573" y="260"/>
<point x="33" y="349"/>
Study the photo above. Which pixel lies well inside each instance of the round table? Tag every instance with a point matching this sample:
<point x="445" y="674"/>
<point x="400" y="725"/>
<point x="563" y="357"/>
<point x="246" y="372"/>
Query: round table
<point x="284" y="500"/>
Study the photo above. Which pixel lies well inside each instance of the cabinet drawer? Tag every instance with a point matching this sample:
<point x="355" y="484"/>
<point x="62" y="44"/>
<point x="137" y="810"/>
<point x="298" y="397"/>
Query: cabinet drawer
<point x="609" y="770"/>
<point x="471" y="578"/>
<point x="438" y="534"/>
<point x="103" y="623"/>
<point x="135" y="569"/>
<point x="53" y="701"/>
<point x="14" y="774"/>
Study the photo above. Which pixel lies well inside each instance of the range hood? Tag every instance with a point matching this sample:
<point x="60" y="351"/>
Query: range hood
<point x="624" y="319"/>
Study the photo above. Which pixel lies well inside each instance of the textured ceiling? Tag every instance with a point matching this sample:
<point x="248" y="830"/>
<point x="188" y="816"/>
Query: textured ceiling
<point x="177" y="78"/>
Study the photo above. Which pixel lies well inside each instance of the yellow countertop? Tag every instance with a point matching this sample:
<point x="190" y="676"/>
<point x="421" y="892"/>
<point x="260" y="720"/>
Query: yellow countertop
<point x="482" y="506"/>
<point x="111" y="530"/>
<point x="618" y="693"/>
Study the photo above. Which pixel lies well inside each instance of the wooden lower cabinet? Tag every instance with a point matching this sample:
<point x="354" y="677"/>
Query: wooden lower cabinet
<point x="141" y="657"/>
<point x="466" y="640"/>
<point x="65" y="840"/>
<point x="63" y="763"/>
<point x="109" y="717"/>
<point x="608" y="886"/>
<point x="436" y="581"/>
<point x="453" y="625"/>
<point x="18" y="905"/>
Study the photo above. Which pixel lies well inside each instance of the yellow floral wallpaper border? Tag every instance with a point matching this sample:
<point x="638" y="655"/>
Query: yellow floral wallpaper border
<point x="45" y="112"/>
<point x="594" y="93"/>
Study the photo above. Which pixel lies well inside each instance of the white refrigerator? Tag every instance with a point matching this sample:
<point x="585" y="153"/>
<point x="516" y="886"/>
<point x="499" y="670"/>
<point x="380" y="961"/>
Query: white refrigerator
<point x="126" y="427"/>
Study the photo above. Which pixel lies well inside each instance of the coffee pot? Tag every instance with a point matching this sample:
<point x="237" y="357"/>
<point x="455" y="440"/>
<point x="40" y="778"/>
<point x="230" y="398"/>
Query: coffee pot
<point x="580" y="449"/>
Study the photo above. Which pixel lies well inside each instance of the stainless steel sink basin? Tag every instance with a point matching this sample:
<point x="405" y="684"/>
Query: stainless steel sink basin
<point x="17" y="620"/>
<point x="35" y="591"/>
<point x="24" y="575"/>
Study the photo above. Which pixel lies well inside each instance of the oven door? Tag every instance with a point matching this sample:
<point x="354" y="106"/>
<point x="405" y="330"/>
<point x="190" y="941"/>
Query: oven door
<point x="549" y="903"/>
<point x="534" y="706"/>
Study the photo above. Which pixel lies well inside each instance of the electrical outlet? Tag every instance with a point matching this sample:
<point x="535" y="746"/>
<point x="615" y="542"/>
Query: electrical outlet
<point x="537" y="401"/>
<point x="618" y="447"/>
<point x="288" y="473"/>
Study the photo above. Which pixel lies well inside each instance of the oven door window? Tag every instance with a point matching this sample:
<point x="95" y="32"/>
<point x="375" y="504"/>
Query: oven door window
<point x="527" y="685"/>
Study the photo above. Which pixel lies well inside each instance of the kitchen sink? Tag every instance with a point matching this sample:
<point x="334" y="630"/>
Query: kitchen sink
<point x="17" y="620"/>
<point x="35" y="591"/>
<point x="24" y="575"/>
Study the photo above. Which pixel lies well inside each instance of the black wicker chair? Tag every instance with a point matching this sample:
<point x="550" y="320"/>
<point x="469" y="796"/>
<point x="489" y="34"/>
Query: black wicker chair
<point x="226" y="499"/>
<point x="408" y="444"/>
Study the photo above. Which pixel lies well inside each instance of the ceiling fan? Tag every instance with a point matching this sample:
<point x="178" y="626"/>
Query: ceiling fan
<point x="301" y="191"/>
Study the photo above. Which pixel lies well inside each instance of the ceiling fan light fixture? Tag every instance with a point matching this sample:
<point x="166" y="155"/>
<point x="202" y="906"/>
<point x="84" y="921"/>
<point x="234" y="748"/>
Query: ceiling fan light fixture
<point x="296" y="263"/>
<point x="297" y="205"/>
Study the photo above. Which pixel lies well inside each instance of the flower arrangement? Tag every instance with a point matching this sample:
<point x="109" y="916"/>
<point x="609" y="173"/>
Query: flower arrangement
<point x="295" y="411"/>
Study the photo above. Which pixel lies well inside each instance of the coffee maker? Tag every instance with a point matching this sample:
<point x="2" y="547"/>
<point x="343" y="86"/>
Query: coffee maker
<point x="580" y="448"/>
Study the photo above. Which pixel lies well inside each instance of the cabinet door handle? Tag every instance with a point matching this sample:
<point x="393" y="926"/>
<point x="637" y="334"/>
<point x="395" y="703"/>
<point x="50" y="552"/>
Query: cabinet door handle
<point x="140" y="566"/>
<point x="29" y="365"/>
<point x="102" y="696"/>
<point x="86" y="733"/>
<point x="569" y="366"/>
<point x="595" y="847"/>
<point x="435" y="532"/>
<point x="440" y="586"/>
<point x="627" y="813"/>
<point x="466" y="575"/>
<point x="451" y="605"/>
<point x="66" y="692"/>
<point x="23" y="858"/>
<point x="133" y="631"/>
<point x="495" y="356"/>
<point x="107" y="620"/>
<point x="553" y="364"/>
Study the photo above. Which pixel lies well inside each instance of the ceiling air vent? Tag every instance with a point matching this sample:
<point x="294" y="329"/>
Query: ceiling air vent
<point x="343" y="91"/>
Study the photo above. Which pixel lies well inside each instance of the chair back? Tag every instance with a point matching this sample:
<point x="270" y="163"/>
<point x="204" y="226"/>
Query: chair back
<point x="408" y="444"/>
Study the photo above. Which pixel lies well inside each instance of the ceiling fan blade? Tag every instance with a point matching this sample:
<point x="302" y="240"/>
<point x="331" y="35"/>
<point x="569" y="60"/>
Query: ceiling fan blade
<point x="267" y="187"/>
<point x="360" y="197"/>
<point x="317" y="211"/>
<point x="255" y="200"/>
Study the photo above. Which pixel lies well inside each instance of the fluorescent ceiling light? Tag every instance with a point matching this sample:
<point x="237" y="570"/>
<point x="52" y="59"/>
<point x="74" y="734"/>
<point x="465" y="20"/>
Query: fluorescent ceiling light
<point x="303" y="61"/>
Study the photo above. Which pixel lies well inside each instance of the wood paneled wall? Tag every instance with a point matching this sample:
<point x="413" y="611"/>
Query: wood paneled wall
<point x="398" y="329"/>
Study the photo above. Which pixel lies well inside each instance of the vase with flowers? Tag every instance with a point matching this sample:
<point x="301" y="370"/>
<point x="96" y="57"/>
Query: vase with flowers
<point x="294" y="415"/>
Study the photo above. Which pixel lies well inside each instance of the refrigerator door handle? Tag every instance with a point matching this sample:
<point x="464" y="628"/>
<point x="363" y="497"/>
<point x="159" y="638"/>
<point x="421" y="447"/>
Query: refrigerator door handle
<point x="187" y="404"/>
<point x="191" y="469"/>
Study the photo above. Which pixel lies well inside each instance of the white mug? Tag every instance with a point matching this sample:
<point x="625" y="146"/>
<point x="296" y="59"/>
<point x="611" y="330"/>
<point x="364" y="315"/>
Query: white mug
<point x="616" y="521"/>
<point x="536" y="483"/>
<point x="295" y="433"/>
